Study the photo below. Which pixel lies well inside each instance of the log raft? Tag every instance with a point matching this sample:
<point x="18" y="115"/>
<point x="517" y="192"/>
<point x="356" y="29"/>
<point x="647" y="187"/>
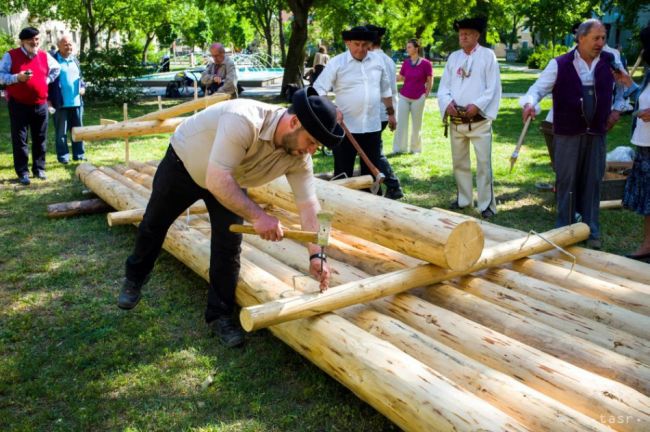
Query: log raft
<point x="402" y="353"/>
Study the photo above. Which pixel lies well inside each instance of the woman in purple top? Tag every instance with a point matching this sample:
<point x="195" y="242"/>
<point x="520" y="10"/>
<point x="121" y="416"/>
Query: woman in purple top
<point x="417" y="74"/>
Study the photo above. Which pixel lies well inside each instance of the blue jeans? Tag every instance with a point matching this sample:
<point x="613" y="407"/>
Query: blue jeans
<point x="64" y="120"/>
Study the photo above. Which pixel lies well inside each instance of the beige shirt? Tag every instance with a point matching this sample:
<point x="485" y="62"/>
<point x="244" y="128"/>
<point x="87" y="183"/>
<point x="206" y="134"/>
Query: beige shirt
<point x="237" y="136"/>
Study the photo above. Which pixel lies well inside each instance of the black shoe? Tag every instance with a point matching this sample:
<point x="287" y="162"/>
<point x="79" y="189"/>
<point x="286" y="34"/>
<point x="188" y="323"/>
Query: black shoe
<point x="394" y="193"/>
<point x="455" y="206"/>
<point x="228" y="331"/>
<point x="487" y="213"/>
<point x="130" y="294"/>
<point x="595" y="244"/>
<point x="24" y="180"/>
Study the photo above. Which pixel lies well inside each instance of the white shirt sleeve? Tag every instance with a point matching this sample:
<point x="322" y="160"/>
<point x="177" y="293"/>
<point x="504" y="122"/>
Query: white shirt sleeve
<point x="444" y="88"/>
<point x="493" y="84"/>
<point x="54" y="68"/>
<point x="325" y="81"/>
<point x="543" y="86"/>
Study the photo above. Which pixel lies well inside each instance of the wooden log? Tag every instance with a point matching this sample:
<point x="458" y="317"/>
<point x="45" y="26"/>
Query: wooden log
<point x="573" y="349"/>
<point x="283" y="310"/>
<point x="104" y="121"/>
<point x="143" y="168"/>
<point x="183" y="108"/>
<point x="527" y="406"/>
<point x="611" y="204"/>
<point x="611" y="315"/>
<point x="141" y="190"/>
<point x="600" y="398"/>
<point x="421" y="233"/>
<point x="359" y="182"/>
<point x="125" y="129"/>
<point x="134" y="216"/>
<point x="74" y="208"/>
<point x="140" y="178"/>
<point x="332" y="343"/>
<point x="585" y="285"/>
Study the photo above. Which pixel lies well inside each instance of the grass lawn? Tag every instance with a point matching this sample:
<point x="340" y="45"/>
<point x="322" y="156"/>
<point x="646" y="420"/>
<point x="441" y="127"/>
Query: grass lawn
<point x="71" y="360"/>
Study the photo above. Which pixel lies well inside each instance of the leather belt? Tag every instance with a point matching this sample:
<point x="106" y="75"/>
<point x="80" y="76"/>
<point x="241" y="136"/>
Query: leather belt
<point x="464" y="120"/>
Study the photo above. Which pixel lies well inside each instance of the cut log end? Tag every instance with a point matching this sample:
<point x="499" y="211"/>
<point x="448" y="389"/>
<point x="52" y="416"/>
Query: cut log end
<point x="246" y="320"/>
<point x="464" y="245"/>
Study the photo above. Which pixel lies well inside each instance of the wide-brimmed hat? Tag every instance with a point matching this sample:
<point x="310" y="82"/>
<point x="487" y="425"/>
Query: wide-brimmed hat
<point x="381" y="31"/>
<point x="359" y="33"/>
<point x="317" y="115"/>
<point x="28" y="33"/>
<point x="479" y="24"/>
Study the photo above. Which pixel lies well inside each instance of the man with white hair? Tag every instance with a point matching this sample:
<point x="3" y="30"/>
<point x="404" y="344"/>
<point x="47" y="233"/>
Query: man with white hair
<point x="27" y="71"/>
<point x="65" y="96"/>
<point x="221" y="74"/>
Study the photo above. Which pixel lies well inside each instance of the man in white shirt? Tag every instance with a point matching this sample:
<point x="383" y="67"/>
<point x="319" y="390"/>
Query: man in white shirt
<point x="214" y="155"/>
<point x="469" y="95"/>
<point x="582" y="83"/>
<point x="361" y="84"/>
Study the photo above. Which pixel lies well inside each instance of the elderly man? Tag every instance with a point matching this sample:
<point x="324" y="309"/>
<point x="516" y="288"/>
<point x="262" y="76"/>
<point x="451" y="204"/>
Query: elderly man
<point x="221" y="74"/>
<point x="360" y="81"/>
<point x="213" y="156"/>
<point x="582" y="83"/>
<point x="65" y="96"/>
<point x="469" y="95"/>
<point x="27" y="71"/>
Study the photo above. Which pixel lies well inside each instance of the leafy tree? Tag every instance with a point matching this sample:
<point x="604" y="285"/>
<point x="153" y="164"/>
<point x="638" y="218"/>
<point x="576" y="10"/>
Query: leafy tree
<point x="552" y="19"/>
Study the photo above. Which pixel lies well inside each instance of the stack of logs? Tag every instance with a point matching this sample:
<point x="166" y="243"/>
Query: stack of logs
<point x="491" y="337"/>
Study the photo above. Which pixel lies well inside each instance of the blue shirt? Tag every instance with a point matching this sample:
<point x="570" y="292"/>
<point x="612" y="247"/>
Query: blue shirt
<point x="7" y="78"/>
<point x="69" y="81"/>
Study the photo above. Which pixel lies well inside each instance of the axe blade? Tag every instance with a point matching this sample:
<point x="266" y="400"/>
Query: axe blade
<point x="324" y="227"/>
<point x="376" y="186"/>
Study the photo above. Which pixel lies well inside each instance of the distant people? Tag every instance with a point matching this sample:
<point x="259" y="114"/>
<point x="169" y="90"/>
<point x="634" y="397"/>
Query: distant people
<point x="27" y="71"/>
<point x="361" y="83"/>
<point x="582" y="85"/>
<point x="65" y="96"/>
<point x="321" y="57"/>
<point x="417" y="74"/>
<point x="469" y="95"/>
<point x="393" y="186"/>
<point x="221" y="74"/>
<point x="637" y="186"/>
<point x="164" y="64"/>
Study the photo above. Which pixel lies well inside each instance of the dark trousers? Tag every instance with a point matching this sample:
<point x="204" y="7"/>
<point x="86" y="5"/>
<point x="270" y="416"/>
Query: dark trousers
<point x="23" y="118"/>
<point x="64" y="120"/>
<point x="345" y="155"/>
<point x="173" y="191"/>
<point x="579" y="168"/>
<point x="391" y="181"/>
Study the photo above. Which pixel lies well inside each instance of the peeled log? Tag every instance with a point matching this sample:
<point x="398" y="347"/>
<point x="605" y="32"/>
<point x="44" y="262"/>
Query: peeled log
<point x="183" y="108"/>
<point x="406" y="391"/>
<point x="591" y="394"/>
<point x="125" y="129"/>
<point x="283" y="310"/>
<point x="126" y="217"/>
<point x="443" y="240"/>
<point x="73" y="208"/>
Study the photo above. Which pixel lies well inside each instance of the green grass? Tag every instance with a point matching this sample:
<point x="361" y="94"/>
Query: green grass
<point x="70" y="360"/>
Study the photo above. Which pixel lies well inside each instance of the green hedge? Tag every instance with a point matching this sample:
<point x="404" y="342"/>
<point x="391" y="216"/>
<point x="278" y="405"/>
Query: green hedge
<point x="544" y="54"/>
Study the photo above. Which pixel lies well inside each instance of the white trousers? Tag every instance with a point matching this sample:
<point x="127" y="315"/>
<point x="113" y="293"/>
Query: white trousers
<point x="481" y="138"/>
<point x="415" y="109"/>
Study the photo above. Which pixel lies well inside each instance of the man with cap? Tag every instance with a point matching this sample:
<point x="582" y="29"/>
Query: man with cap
<point x="469" y="96"/>
<point x="582" y="84"/>
<point x="394" y="189"/>
<point x="361" y="84"/>
<point x="215" y="155"/>
<point x="27" y="71"/>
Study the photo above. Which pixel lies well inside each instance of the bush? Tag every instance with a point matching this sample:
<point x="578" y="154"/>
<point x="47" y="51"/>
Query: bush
<point x="544" y="54"/>
<point x="110" y="74"/>
<point x="6" y="43"/>
<point x="524" y="54"/>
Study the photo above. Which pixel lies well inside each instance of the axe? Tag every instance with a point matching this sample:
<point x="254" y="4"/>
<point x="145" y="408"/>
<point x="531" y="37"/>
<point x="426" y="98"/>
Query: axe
<point x="378" y="175"/>
<point x="520" y="141"/>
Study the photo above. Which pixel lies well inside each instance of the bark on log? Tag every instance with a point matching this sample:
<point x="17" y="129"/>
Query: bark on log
<point x="585" y="285"/>
<point x="421" y="233"/>
<point x="600" y="398"/>
<point x="261" y="316"/>
<point x="125" y="129"/>
<point x="611" y="315"/>
<point x="573" y="349"/>
<point x="74" y="208"/>
<point x="333" y="344"/>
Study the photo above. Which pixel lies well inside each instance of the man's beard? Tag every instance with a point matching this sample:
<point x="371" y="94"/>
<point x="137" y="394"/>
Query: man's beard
<point x="290" y="142"/>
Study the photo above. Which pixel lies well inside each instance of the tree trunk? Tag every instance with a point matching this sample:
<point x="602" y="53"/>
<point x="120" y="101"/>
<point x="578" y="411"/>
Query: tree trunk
<point x="268" y="35"/>
<point x="150" y="37"/>
<point x="283" y="48"/>
<point x="294" y="67"/>
<point x="74" y="208"/>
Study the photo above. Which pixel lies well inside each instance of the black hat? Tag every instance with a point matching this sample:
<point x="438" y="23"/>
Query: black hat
<point x="380" y="32"/>
<point x="28" y="33"/>
<point x="359" y="33"/>
<point x="317" y="115"/>
<point x="479" y="24"/>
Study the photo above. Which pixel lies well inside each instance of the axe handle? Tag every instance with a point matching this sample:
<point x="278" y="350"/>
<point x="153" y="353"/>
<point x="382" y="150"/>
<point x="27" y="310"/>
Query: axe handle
<point x="637" y="64"/>
<point x="301" y="236"/>
<point x="373" y="169"/>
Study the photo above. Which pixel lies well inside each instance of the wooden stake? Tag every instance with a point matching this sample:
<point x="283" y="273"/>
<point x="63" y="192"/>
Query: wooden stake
<point x="159" y="103"/>
<point x="126" y="140"/>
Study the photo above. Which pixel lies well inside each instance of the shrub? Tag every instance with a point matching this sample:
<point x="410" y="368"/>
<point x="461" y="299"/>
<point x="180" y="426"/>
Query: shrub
<point x="110" y="74"/>
<point x="6" y="43"/>
<point x="524" y="54"/>
<point x="544" y="54"/>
